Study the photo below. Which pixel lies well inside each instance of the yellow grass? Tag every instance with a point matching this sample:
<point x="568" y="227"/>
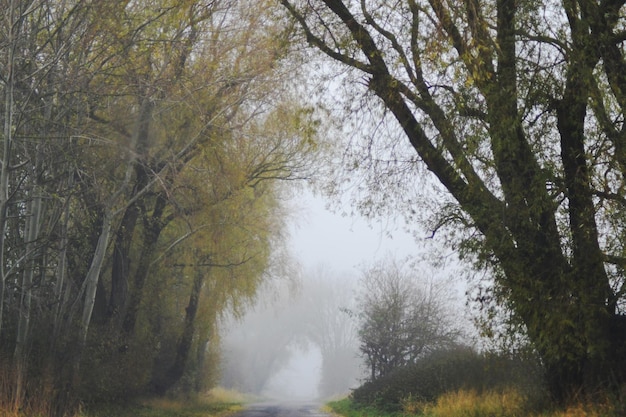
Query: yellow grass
<point x="471" y="404"/>
<point x="508" y="403"/>
<point x="223" y="395"/>
<point x="582" y="410"/>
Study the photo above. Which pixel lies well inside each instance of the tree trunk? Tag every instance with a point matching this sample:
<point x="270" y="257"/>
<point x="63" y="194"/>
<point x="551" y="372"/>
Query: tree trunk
<point x="24" y="311"/>
<point x="93" y="276"/>
<point x="120" y="270"/>
<point x="7" y="142"/>
<point x="177" y="369"/>
<point x="151" y="231"/>
<point x="61" y="290"/>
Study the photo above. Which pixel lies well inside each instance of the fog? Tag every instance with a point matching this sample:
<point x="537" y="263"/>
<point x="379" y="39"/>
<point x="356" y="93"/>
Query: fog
<point x="297" y="342"/>
<point x="299" y="379"/>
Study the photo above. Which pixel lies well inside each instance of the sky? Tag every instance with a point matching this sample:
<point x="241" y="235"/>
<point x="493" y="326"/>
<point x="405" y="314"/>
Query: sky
<point x="319" y="236"/>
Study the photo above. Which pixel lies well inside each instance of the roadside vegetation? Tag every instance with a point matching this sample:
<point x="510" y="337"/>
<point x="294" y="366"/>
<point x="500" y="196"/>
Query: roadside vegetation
<point x="164" y="408"/>
<point x="469" y="403"/>
<point x="464" y="383"/>
<point x="217" y="403"/>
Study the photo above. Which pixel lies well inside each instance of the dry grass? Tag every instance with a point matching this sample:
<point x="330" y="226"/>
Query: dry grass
<point x="218" y="403"/>
<point x="507" y="403"/>
<point x="223" y="395"/>
<point x="471" y="404"/>
<point x="12" y="404"/>
<point x="584" y="410"/>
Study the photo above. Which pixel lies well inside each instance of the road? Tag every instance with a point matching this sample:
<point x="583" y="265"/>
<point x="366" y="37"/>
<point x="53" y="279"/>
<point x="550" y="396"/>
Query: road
<point x="283" y="409"/>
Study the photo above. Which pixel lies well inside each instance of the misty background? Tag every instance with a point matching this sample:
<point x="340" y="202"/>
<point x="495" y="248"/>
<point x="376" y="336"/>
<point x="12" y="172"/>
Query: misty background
<point x="299" y="340"/>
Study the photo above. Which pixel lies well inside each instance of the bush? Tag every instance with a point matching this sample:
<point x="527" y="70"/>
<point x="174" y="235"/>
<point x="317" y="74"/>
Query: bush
<point x="449" y="371"/>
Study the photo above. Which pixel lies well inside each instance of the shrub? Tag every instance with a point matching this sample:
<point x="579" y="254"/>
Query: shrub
<point x="448" y="371"/>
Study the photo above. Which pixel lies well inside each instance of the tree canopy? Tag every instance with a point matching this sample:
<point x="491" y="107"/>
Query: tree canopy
<point x="142" y="142"/>
<point x="516" y="108"/>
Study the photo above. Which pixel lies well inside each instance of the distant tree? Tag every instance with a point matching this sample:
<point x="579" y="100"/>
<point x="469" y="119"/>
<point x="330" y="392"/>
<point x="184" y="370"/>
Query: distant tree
<point x="309" y="317"/>
<point x="402" y="318"/>
<point x="261" y="344"/>
<point x="326" y="296"/>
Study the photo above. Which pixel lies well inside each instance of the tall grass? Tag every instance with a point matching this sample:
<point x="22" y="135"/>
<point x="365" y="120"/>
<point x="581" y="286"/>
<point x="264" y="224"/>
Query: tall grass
<point x="216" y="403"/>
<point x="348" y="408"/>
<point x="508" y="403"/>
<point x="505" y="403"/>
<point x="37" y="402"/>
<point x="223" y="395"/>
<point x="470" y="403"/>
<point x="7" y="389"/>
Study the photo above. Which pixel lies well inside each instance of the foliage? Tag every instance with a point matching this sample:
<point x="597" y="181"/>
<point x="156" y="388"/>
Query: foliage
<point x="348" y="408"/>
<point x="506" y="127"/>
<point x="448" y="371"/>
<point x="464" y="403"/>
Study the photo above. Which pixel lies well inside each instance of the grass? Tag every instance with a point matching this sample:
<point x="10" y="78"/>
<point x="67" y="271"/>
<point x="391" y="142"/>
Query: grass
<point x="217" y="403"/>
<point x="471" y="404"/>
<point x="508" y="403"/>
<point x="347" y="408"/>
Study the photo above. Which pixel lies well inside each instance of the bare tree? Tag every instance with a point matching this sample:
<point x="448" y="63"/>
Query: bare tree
<point x="402" y="318"/>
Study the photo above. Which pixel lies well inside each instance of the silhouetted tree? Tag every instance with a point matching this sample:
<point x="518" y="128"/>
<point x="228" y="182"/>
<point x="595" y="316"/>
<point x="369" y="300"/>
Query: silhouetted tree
<point x="401" y="319"/>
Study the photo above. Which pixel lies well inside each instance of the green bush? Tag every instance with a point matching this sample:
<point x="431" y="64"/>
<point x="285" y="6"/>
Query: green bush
<point x="446" y="371"/>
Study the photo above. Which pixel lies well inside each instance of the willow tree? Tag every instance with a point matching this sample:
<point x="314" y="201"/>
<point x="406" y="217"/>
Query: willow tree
<point x="106" y="109"/>
<point x="517" y="109"/>
<point x="194" y="119"/>
<point x="185" y="95"/>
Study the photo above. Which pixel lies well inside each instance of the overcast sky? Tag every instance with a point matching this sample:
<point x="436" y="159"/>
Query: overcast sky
<point x="321" y="237"/>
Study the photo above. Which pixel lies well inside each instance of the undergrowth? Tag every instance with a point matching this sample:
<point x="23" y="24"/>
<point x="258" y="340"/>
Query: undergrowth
<point x="468" y="403"/>
<point x="347" y="408"/>
<point x="217" y="403"/>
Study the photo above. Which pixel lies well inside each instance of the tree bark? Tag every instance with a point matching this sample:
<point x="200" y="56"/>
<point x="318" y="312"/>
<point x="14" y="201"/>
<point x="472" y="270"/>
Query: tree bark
<point x="152" y="228"/>
<point x="7" y="142"/>
<point x="177" y="369"/>
<point x="120" y="269"/>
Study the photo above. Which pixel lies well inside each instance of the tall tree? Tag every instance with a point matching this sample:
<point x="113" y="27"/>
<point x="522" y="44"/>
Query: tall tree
<point x="125" y="127"/>
<point x="517" y="109"/>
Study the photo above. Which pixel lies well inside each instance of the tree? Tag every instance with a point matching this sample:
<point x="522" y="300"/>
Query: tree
<point x="400" y="319"/>
<point x="325" y="302"/>
<point x="132" y="131"/>
<point x="517" y="110"/>
<point x="215" y="141"/>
